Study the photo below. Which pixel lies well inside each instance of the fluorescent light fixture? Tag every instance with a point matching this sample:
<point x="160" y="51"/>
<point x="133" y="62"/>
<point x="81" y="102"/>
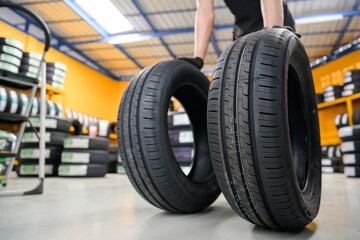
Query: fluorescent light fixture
<point x="307" y="20"/>
<point x="127" y="38"/>
<point x="106" y="15"/>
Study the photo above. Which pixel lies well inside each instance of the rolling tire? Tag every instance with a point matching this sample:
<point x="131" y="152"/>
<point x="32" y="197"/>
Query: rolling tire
<point x="142" y="127"/>
<point x="265" y="174"/>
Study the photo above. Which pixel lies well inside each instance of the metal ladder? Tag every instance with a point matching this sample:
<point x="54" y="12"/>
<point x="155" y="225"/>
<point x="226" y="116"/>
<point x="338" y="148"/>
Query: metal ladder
<point x="14" y="80"/>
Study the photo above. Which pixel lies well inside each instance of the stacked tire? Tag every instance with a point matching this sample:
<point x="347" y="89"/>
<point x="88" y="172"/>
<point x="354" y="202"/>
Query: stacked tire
<point x="57" y="129"/>
<point x="319" y="98"/>
<point x="85" y="120"/>
<point x="350" y="148"/>
<point x="84" y="156"/>
<point x="11" y="53"/>
<point x="30" y="64"/>
<point x="351" y="83"/>
<point x="332" y="92"/>
<point x="13" y="102"/>
<point x="331" y="159"/>
<point x="181" y="139"/>
<point x="55" y="74"/>
<point x="7" y="144"/>
<point x="342" y="120"/>
<point x="112" y="163"/>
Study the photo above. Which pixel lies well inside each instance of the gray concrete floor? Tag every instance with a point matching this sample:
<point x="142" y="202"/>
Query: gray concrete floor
<point x="109" y="208"/>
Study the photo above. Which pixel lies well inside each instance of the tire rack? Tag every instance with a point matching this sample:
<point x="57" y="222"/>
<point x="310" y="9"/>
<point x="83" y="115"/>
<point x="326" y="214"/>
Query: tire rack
<point x="22" y="120"/>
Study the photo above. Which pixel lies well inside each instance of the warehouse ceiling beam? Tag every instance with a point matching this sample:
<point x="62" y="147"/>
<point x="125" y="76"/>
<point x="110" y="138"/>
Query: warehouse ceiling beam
<point x="59" y="44"/>
<point x="219" y="27"/>
<point x="136" y="4"/>
<point x="38" y="2"/>
<point x="346" y="26"/>
<point x="98" y="28"/>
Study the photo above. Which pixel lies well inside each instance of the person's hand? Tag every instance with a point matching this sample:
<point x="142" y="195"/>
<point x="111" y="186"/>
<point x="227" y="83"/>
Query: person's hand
<point x="197" y="62"/>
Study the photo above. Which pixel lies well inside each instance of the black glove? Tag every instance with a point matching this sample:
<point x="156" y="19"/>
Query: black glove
<point x="197" y="62"/>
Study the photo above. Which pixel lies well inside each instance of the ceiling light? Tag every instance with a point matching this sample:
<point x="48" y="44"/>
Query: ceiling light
<point x="307" y="20"/>
<point x="106" y="15"/>
<point x="127" y="38"/>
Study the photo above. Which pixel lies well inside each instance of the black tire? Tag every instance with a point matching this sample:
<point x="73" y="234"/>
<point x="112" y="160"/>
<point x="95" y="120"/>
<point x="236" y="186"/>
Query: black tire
<point x="113" y="148"/>
<point x="142" y="127"/>
<point x="84" y="156"/>
<point x="51" y="139"/>
<point x="178" y="120"/>
<point x="19" y="99"/>
<point x="86" y="142"/>
<point x="262" y="171"/>
<point x="183" y="155"/>
<point x="352" y="171"/>
<point x="349" y="92"/>
<point x="333" y="88"/>
<point x="32" y="169"/>
<point x="351" y="159"/>
<point x="10" y="50"/>
<point x="30" y="61"/>
<point x="342" y="120"/>
<point x="3" y="99"/>
<point x="82" y="170"/>
<point x="353" y="73"/>
<point x="350" y="147"/>
<point x="9" y="67"/>
<point x="12" y="42"/>
<point x="349" y="133"/>
<point x="324" y="150"/>
<point x="52" y="154"/>
<point x="330" y="99"/>
<point x="181" y="137"/>
<point x="319" y="98"/>
<point x="112" y="167"/>
<point x="331" y="169"/>
<point x="351" y="86"/>
<point x="331" y="161"/>
<point x="57" y="65"/>
<point x="77" y="127"/>
<point x="113" y="158"/>
<point x="52" y="124"/>
<point x="10" y="59"/>
<point x="55" y="71"/>
<point x="28" y="68"/>
<point x="356" y="116"/>
<point x="333" y="94"/>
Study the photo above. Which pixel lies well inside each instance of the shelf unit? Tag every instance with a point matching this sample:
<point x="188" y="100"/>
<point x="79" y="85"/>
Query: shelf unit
<point x="328" y="112"/>
<point x="17" y="81"/>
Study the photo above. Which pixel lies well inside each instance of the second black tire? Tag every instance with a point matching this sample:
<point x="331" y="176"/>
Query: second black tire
<point x="264" y="130"/>
<point x="144" y="144"/>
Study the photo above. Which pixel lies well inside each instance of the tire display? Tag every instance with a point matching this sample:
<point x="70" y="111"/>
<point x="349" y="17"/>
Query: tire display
<point x="142" y="127"/>
<point x="264" y="130"/>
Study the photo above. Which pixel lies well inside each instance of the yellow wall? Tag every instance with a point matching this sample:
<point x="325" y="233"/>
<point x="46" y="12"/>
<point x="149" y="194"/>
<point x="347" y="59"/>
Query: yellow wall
<point x="85" y="90"/>
<point x="332" y="73"/>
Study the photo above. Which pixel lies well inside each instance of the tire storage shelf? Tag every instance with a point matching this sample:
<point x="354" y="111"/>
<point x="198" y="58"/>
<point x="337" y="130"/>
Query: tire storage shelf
<point x="21" y="117"/>
<point x="328" y="112"/>
<point x="16" y="75"/>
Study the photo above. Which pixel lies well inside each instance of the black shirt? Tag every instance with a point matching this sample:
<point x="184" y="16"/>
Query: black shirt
<point x="248" y="17"/>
